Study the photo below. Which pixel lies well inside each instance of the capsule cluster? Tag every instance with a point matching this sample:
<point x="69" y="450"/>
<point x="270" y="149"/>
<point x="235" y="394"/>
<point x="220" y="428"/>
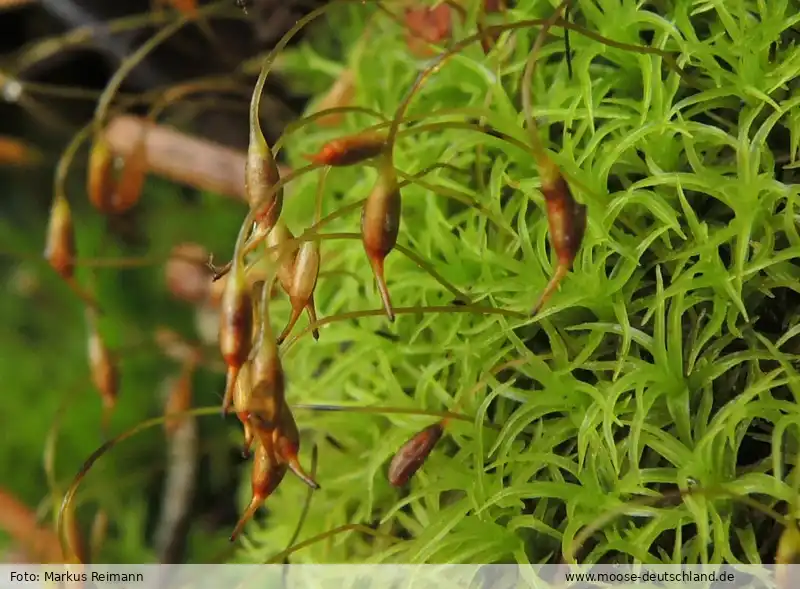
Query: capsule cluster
<point x="259" y="402"/>
<point x="255" y="384"/>
<point x="112" y="189"/>
<point x="255" y="380"/>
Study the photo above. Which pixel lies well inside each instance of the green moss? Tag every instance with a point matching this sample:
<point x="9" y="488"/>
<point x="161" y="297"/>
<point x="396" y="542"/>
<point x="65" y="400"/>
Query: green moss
<point x="654" y="366"/>
<point x="666" y="360"/>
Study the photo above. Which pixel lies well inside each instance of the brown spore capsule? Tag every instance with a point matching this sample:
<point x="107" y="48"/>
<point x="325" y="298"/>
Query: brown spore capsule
<point x="14" y="152"/>
<point x="348" y="151"/>
<point x="59" y="248"/>
<point x="276" y="238"/>
<point x="103" y="369"/>
<point x="267" y="376"/>
<point x="100" y="182"/>
<point x="566" y="220"/>
<point x="294" y="277"/>
<point x="235" y="330"/>
<point x="380" y="226"/>
<point x="301" y="290"/>
<point x="242" y="405"/>
<point x="410" y="457"/>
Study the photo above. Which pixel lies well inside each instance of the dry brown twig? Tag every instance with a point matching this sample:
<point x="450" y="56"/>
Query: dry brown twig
<point x="182" y="158"/>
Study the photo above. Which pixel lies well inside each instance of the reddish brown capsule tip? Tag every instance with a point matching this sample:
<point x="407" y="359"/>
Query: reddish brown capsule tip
<point x="566" y="221"/>
<point x="235" y="330"/>
<point x="287" y="447"/>
<point x="267" y="474"/>
<point x="380" y="226"/>
<point x="413" y="453"/>
<point x="59" y="249"/>
<point x="348" y="151"/>
<point x="100" y="180"/>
